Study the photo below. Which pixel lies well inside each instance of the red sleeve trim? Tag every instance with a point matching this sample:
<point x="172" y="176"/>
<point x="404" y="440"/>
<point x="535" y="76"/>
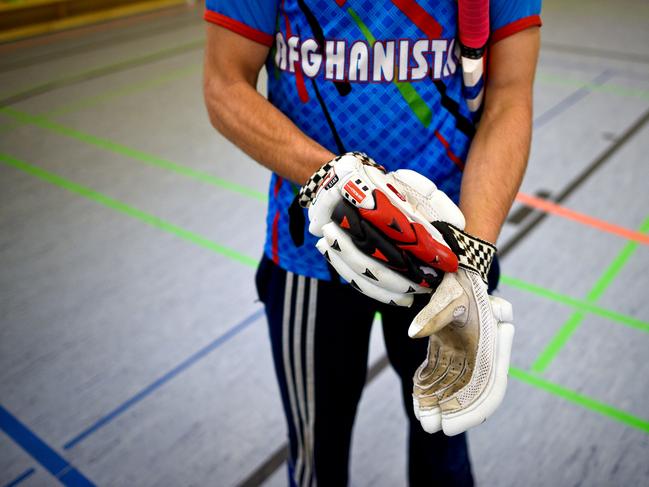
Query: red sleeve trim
<point x="514" y="27"/>
<point x="239" y="27"/>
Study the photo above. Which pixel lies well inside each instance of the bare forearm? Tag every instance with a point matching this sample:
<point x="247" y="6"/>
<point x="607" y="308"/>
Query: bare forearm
<point x="263" y="132"/>
<point x="498" y="155"/>
<point x="494" y="169"/>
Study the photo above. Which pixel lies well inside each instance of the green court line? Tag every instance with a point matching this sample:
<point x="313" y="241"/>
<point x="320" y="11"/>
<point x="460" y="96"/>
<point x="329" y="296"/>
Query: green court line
<point x="424" y="114"/>
<point x="421" y="111"/>
<point x="414" y="100"/>
<point x="105" y="96"/>
<point x="580" y="399"/>
<point x="571" y="325"/>
<point x="41" y="88"/>
<point x="408" y="92"/>
<point x="43" y="123"/>
<point x="125" y="151"/>
<point x="612" y="89"/>
<point x="130" y="89"/>
<point x="116" y="205"/>
<point x="614" y="269"/>
<point x="579" y="304"/>
<point x="416" y="103"/>
<point x="90" y="194"/>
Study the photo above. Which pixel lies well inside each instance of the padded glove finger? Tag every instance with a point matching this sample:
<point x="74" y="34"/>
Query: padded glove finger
<point x="443" y="367"/>
<point x="425" y="199"/>
<point x="325" y="188"/>
<point x="358" y="179"/>
<point x="381" y="249"/>
<point x="371" y="270"/>
<point x="360" y="283"/>
<point x="465" y="374"/>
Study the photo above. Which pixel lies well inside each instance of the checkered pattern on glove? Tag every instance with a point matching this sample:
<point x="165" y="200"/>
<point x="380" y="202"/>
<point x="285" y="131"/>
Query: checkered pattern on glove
<point x="473" y="253"/>
<point x="310" y="188"/>
<point x="463" y="380"/>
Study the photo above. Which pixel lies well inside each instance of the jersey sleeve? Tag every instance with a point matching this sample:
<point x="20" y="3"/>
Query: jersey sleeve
<point x="508" y="17"/>
<point x="253" y="19"/>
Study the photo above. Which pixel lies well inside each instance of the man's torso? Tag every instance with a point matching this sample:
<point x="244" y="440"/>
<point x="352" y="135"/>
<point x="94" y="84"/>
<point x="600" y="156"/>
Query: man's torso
<point x="381" y="77"/>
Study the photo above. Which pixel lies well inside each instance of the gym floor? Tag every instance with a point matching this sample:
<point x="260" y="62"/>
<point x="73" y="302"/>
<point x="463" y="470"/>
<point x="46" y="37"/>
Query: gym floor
<point x="132" y="348"/>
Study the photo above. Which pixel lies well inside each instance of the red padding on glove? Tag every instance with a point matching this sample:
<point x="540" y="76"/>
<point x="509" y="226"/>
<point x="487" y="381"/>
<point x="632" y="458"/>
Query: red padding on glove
<point x="411" y="237"/>
<point x="430" y="251"/>
<point x="389" y="219"/>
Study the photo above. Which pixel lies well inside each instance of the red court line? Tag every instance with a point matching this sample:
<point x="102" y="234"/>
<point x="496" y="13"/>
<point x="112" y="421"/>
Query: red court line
<point x="562" y="211"/>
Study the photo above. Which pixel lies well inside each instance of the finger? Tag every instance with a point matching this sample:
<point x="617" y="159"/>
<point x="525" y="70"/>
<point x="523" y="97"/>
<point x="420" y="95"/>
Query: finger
<point x="321" y="209"/>
<point x="484" y="406"/>
<point x="448" y="303"/>
<point x="431" y="419"/>
<point x="444" y="367"/>
<point x="425" y="402"/>
<point x="332" y="189"/>
<point x="359" y="282"/>
<point x="502" y="309"/>
<point x="368" y="267"/>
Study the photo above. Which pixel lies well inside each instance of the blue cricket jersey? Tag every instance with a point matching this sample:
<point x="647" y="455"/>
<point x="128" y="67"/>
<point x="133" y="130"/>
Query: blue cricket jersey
<point x="376" y="76"/>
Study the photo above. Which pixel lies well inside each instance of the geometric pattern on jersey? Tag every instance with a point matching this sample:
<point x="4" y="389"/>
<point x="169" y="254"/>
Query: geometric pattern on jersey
<point x="365" y="118"/>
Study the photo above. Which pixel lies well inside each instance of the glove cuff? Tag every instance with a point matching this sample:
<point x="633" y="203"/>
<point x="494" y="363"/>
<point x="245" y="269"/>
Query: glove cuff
<point x="310" y="188"/>
<point x="473" y="254"/>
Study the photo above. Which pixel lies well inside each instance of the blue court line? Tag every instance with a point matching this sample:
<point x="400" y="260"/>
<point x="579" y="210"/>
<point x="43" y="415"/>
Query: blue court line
<point x="571" y="100"/>
<point x="23" y="476"/>
<point x="119" y="410"/>
<point x="41" y="452"/>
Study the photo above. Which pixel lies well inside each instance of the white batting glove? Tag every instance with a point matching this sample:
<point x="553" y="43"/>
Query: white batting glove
<point x="379" y="221"/>
<point x="463" y="379"/>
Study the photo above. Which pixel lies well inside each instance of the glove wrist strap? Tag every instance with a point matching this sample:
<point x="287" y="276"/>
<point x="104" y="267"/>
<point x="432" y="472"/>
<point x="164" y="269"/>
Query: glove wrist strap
<point x="473" y="254"/>
<point x="310" y="188"/>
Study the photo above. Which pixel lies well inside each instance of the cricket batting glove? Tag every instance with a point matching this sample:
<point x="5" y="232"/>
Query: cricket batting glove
<point x="376" y="229"/>
<point x="464" y="377"/>
<point x="377" y="232"/>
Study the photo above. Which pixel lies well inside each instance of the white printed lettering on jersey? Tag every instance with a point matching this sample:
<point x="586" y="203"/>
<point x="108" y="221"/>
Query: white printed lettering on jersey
<point x="383" y="61"/>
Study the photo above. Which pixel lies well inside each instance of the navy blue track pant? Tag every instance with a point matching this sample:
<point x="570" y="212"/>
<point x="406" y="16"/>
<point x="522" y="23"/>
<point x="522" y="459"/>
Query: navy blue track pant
<point x="319" y="332"/>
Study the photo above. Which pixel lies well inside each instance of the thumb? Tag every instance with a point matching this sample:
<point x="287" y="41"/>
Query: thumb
<point x="448" y="303"/>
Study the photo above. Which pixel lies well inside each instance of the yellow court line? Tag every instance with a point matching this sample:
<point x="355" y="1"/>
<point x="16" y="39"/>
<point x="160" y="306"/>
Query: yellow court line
<point x="85" y="19"/>
<point x="13" y="5"/>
